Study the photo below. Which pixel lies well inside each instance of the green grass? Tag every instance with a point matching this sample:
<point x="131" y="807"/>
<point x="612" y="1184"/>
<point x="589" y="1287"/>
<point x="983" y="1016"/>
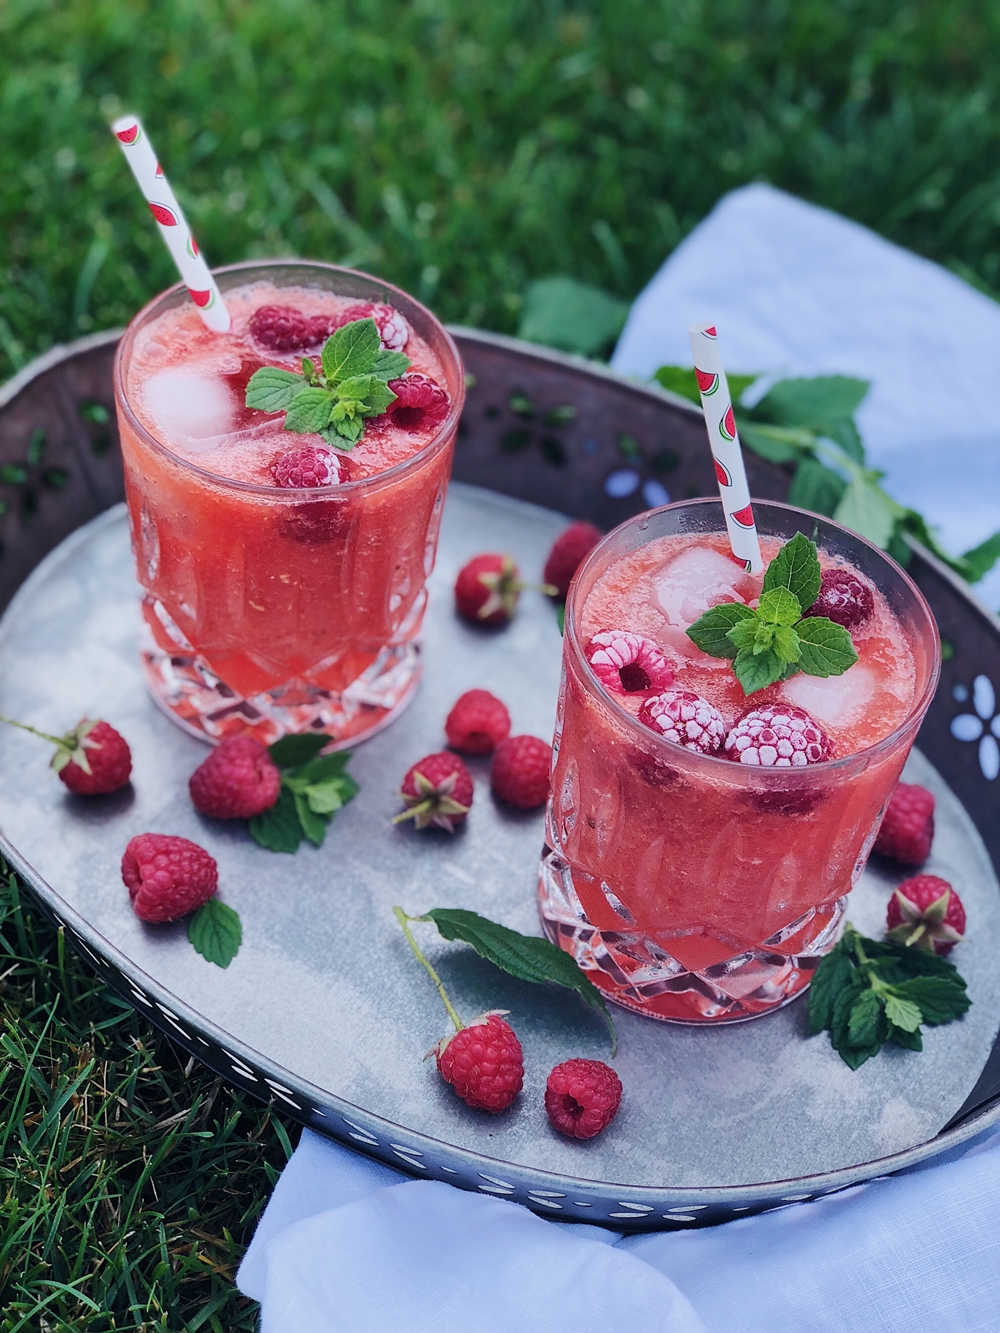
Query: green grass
<point x="130" y="1177"/>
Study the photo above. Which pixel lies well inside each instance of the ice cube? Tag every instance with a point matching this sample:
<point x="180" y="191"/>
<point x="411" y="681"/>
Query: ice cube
<point x="834" y="701"/>
<point x="697" y="579"/>
<point x="189" y="406"/>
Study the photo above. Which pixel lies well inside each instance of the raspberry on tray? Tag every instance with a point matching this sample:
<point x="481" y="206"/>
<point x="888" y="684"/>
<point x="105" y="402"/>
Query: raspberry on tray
<point x="925" y="912"/>
<point x="477" y="723"/>
<point x="167" y="877"/>
<point x="907" y="829"/>
<point x="238" y="780"/>
<point x="437" y="792"/>
<point x="519" y="773"/>
<point x="582" y="1097"/>
<point x="483" y="1062"/>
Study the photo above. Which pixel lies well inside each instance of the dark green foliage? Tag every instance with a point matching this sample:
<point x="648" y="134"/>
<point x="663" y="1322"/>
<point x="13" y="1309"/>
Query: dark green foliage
<point x="131" y="1178"/>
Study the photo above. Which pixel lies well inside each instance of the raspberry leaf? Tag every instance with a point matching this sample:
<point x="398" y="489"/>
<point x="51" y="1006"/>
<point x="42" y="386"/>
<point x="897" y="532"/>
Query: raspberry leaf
<point x="272" y="389"/>
<point x="710" y="632"/>
<point x="902" y="1013"/>
<point x="278" y="829"/>
<point x="309" y="411"/>
<point x="778" y="606"/>
<point x="755" y="671"/>
<point x="939" y="999"/>
<point x="216" y="932"/>
<point x="827" y="649"/>
<point x="390" y="365"/>
<point x="796" y="569"/>
<point x="352" y="350"/>
<point x="834" y="971"/>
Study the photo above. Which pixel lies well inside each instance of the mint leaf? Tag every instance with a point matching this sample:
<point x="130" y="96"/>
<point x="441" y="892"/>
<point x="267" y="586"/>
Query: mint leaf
<point x="345" y="432"/>
<point x="864" y="1019"/>
<point x="216" y="932"/>
<point x="796" y="569"/>
<point x="525" y="956"/>
<point x="763" y="637"/>
<point x="787" y="646"/>
<point x="291" y="751"/>
<point x="744" y="633"/>
<point x="866" y="509"/>
<point x="832" y="974"/>
<point x="324" y="767"/>
<point x="980" y="560"/>
<point x="939" y="999"/>
<point x="309" y="411"/>
<point x="312" y="824"/>
<point x="902" y="1013"/>
<point x="272" y="389"/>
<point x="816" y="487"/>
<point x="755" y="671"/>
<point x="710" y="632"/>
<point x="326" y="798"/>
<point x="779" y="606"/>
<point x="681" y="380"/>
<point x="819" y="404"/>
<point x="390" y="365"/>
<point x="778" y="444"/>
<point x="826" y="648"/>
<point x="352" y="350"/>
<point x="378" y="397"/>
<point x="278" y="829"/>
<point x="910" y="1041"/>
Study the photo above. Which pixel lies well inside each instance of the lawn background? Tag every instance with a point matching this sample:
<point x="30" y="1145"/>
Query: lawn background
<point x="462" y="151"/>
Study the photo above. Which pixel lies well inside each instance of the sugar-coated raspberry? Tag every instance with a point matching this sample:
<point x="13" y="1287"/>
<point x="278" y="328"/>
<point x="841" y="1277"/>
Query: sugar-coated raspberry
<point x="778" y="736"/>
<point x="238" y="780"/>
<point x="437" y="792"/>
<point x="627" y="663"/>
<point x="686" y="719"/>
<point x="907" y="829"/>
<point x="483" y="1063"/>
<point x="519" y="773"/>
<point x="566" y="556"/>
<point x="478" y="723"/>
<point x="301" y="469"/>
<point x="487" y="589"/>
<point x="284" y="329"/>
<point x="582" y="1097"/>
<point x="167" y="877"/>
<point x="925" y="912"/>
<point x="843" y="598"/>
<point x="392" y="327"/>
<point x="420" y="401"/>
<point x="105" y="753"/>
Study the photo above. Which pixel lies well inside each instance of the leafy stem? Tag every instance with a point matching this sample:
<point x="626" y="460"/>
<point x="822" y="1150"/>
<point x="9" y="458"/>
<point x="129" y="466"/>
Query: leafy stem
<point x="23" y="726"/>
<point x="404" y="919"/>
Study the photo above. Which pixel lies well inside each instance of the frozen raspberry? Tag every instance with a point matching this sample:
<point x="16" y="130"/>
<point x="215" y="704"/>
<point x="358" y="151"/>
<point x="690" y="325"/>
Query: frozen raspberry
<point x="582" y="1097"/>
<point x="487" y="589"/>
<point x="167" y="877"/>
<point x="778" y="736"/>
<point x="566" y="556"/>
<point x="392" y="327"/>
<point x="478" y="723"/>
<point x="299" y="469"/>
<point x="93" y="759"/>
<point x="437" y="792"/>
<point x="844" y="599"/>
<point x="238" y="780"/>
<point x="686" y="719"/>
<point x="284" y="329"/>
<point x="420" y="401"/>
<point x="925" y="912"/>
<point x="627" y="663"/>
<point x="519" y="773"/>
<point x="483" y="1063"/>
<point x="907" y="829"/>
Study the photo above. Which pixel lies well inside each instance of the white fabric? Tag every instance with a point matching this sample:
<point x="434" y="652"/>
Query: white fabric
<point x="795" y="290"/>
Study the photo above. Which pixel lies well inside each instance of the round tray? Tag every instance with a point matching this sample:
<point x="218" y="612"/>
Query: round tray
<point x="324" y="1009"/>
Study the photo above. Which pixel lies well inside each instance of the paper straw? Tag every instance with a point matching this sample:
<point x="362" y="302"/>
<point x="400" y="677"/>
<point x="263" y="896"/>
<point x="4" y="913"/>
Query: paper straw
<point x="725" y="445"/>
<point x="170" y="219"/>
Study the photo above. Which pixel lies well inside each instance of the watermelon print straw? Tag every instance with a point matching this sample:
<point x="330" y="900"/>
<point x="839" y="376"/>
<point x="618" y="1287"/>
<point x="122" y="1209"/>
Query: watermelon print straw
<point x="725" y="445"/>
<point x="195" y="273"/>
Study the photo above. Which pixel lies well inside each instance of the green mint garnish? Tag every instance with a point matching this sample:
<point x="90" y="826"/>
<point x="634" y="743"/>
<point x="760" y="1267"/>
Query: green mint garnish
<point x="216" y="932"/>
<point x="333" y="400"/>
<point x="774" y="641"/>
<point x="866" y="992"/>
<point x="313" y="789"/>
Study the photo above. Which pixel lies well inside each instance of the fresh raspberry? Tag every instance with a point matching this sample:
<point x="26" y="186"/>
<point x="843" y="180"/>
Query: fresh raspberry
<point x="843" y="598"/>
<point x="420" y="401"/>
<point x="299" y="469"/>
<point x="487" y="589"/>
<point x="392" y="327"/>
<point x="478" y="723"/>
<point x="627" y="663"/>
<point x="567" y="554"/>
<point x="925" y="912"/>
<point x="283" y="329"/>
<point x="167" y="877"/>
<point x="93" y="759"/>
<point x="778" y="736"/>
<point x="437" y="792"/>
<point x="686" y="719"/>
<point x="907" y="829"/>
<point x="238" y="780"/>
<point x="582" y="1097"/>
<point x="483" y="1063"/>
<point x="519" y="773"/>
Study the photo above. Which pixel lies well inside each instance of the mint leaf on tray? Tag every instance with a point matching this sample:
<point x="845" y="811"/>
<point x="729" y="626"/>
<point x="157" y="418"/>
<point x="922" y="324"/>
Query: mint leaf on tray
<point x="314" y="787"/>
<point x="216" y="932"/>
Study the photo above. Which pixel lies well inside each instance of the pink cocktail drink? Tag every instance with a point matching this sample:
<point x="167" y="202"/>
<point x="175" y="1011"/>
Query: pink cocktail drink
<point x="693" y="882"/>
<point x="283" y="571"/>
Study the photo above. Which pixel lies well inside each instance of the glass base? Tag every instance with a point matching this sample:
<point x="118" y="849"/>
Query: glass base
<point x="196" y="699"/>
<point x="635" y="970"/>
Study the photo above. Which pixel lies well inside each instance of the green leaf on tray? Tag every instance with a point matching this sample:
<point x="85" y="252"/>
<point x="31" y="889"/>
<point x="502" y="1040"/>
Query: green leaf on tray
<point x="278" y="829"/>
<point x="314" y="787"/>
<point x="525" y="956"/>
<point x="216" y="932"/>
<point x="291" y="751"/>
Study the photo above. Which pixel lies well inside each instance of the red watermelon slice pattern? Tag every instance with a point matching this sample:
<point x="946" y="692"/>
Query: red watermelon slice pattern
<point x="164" y="216"/>
<point x="722" y="473"/>
<point x="727" y="426"/>
<point x="710" y="332"/>
<point x="192" y="247"/>
<point x="707" y="382"/>
<point x="744" y="516"/>
<point x="129" y="135"/>
<point x="203" y="300"/>
<point x="158" y="172"/>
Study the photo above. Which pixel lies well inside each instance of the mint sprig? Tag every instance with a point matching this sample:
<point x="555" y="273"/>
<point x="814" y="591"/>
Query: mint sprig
<point x="775" y="640"/>
<point x="332" y="399"/>
<point x="313" y="788"/>
<point x="216" y="932"/>
<point x="867" y="992"/>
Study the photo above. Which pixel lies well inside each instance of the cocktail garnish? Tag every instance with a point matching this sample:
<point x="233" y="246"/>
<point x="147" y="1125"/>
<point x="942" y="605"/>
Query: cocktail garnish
<point x="775" y="640"/>
<point x="334" y="398"/>
<point x="314" y="787"/>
